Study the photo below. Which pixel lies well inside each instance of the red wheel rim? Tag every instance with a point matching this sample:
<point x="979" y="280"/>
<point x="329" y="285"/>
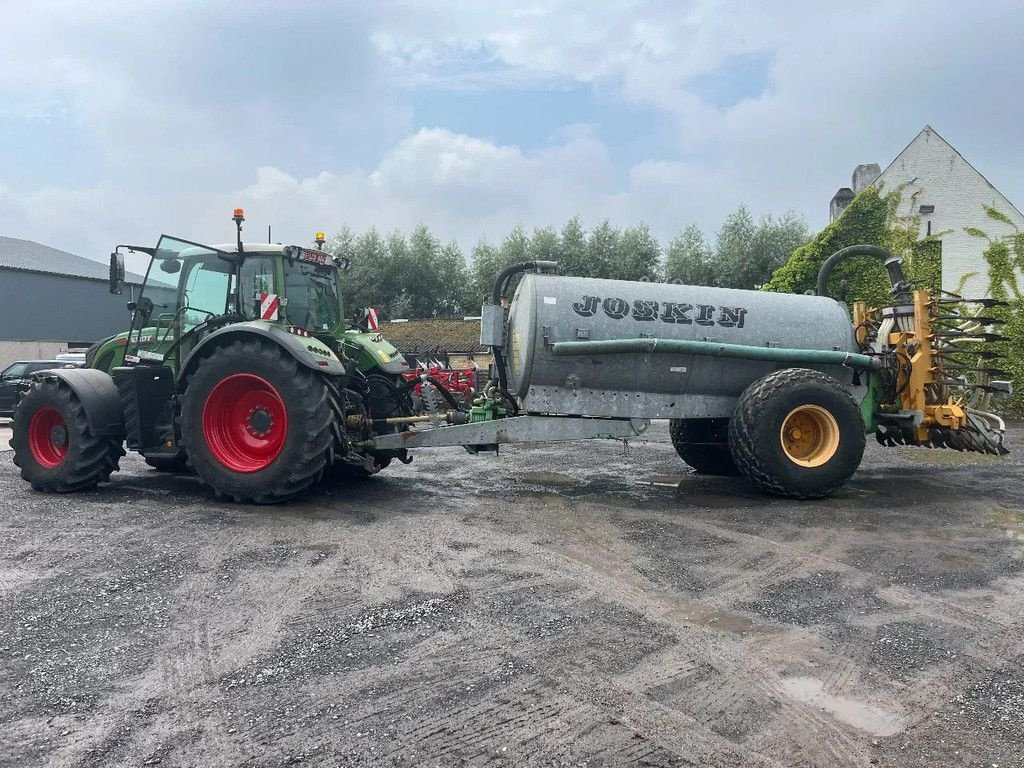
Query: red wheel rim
<point x="245" y="423"/>
<point x="48" y="437"/>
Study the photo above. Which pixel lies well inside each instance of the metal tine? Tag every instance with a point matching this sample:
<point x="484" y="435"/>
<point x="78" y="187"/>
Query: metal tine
<point x="965" y="385"/>
<point x="969" y="335"/>
<point x="987" y="303"/>
<point x="970" y="319"/>
<point x="984" y="371"/>
<point x="982" y="354"/>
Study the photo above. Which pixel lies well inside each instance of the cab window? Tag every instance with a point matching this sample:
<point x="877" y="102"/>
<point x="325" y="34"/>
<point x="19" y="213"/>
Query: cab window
<point x="256" y="278"/>
<point x="205" y="290"/>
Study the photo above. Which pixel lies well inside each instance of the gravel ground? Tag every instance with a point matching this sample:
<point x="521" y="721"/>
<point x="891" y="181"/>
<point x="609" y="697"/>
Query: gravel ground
<point x="567" y="605"/>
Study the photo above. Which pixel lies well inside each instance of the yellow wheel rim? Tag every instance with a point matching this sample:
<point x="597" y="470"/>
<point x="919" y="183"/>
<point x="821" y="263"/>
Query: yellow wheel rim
<point x="810" y="435"/>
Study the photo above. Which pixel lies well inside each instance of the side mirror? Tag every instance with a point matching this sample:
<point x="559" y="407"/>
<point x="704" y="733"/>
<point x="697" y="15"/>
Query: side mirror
<point x="116" y="272"/>
<point x="343" y="263"/>
<point x="170" y="266"/>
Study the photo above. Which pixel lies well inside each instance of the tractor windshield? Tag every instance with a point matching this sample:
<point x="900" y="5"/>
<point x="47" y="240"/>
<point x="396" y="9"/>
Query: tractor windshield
<point x="312" y="293"/>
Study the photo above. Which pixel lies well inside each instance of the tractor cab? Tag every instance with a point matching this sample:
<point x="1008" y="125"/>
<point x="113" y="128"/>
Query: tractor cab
<point x="192" y="290"/>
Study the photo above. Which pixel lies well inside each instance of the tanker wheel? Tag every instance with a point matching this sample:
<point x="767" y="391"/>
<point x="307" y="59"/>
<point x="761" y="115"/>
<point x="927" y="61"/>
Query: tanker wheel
<point x="797" y="433"/>
<point x="704" y="445"/>
<point x="53" y="445"/>
<point x="173" y="464"/>
<point x="255" y="425"/>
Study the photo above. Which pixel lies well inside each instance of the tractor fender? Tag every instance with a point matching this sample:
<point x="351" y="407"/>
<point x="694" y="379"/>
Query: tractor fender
<point x="99" y="397"/>
<point x="306" y="350"/>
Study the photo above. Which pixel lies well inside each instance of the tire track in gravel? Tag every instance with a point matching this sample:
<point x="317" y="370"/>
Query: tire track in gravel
<point x="607" y="568"/>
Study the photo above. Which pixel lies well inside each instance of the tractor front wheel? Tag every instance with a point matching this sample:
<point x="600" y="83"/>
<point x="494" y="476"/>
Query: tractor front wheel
<point x="53" y="445"/>
<point x="255" y="425"/>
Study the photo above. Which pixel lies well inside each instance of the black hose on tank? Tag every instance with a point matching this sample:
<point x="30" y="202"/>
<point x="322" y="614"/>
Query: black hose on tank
<point x="893" y="265"/>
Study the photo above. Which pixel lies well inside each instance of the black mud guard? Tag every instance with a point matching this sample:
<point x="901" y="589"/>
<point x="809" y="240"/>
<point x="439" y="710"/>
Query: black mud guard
<point x="296" y="346"/>
<point x="98" y="394"/>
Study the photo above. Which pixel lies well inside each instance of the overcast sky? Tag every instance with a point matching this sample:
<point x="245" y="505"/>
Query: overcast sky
<point x="119" y="121"/>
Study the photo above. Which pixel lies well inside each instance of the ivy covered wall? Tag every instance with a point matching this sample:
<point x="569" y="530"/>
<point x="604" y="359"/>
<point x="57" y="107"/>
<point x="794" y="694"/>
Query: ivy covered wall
<point x="870" y="219"/>
<point x="1005" y="259"/>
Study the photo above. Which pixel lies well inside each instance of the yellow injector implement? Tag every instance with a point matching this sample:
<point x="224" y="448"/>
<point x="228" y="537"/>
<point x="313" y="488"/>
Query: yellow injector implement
<point x="932" y="387"/>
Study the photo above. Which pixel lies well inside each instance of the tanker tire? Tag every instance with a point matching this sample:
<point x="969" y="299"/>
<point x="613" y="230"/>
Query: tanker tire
<point x="307" y="443"/>
<point x="87" y="460"/>
<point x="756" y="425"/>
<point x="703" y="445"/>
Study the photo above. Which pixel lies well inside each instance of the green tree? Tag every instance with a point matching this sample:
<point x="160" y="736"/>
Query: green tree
<point x="732" y="248"/>
<point x="431" y="276"/>
<point x="639" y="255"/>
<point x="688" y="259"/>
<point x="483" y="270"/>
<point x="370" y="281"/>
<point x="545" y="245"/>
<point x="602" y="250"/>
<point x="773" y="242"/>
<point x="572" y="256"/>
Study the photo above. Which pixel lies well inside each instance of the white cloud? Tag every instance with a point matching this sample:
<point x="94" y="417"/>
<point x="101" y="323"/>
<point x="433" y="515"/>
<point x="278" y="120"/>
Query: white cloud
<point x="302" y="113"/>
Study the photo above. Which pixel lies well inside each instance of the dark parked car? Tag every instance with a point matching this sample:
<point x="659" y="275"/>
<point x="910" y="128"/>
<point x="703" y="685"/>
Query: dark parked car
<point x="17" y="376"/>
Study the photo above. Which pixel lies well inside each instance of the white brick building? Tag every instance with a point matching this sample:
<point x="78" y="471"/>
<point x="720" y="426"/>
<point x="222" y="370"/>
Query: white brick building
<point x="949" y="194"/>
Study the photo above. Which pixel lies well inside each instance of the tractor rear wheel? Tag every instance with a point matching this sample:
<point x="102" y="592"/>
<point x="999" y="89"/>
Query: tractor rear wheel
<point x="53" y="445"/>
<point x="797" y="433"/>
<point x="704" y="445"/>
<point x="256" y="425"/>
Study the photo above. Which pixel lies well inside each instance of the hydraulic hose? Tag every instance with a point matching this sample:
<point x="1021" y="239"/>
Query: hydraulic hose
<point x="448" y="398"/>
<point x="893" y="265"/>
<point x="715" y="349"/>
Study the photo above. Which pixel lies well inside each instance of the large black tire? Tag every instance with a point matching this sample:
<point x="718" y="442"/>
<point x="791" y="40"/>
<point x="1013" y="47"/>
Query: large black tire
<point x="288" y="426"/>
<point x="53" y="445"/>
<point x="704" y="445"/>
<point x="807" y="463"/>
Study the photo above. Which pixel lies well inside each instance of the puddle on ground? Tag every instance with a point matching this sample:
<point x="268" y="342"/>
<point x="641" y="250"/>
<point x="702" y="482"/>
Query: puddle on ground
<point x="1010" y="520"/>
<point x="865" y="717"/>
<point x="717" y="500"/>
<point x="957" y="561"/>
<point x="696" y="612"/>
<point x="549" y="478"/>
<point x="662" y="481"/>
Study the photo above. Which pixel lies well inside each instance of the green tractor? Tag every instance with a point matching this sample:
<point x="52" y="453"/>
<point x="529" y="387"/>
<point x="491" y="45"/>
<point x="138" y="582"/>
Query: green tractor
<point x="238" y="366"/>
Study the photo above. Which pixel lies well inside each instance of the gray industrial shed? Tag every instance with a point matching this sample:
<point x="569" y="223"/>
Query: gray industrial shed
<point x="52" y="301"/>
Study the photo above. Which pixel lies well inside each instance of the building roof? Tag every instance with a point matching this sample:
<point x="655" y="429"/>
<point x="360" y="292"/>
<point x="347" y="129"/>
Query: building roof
<point x="417" y="337"/>
<point x="30" y="256"/>
<point x="927" y="133"/>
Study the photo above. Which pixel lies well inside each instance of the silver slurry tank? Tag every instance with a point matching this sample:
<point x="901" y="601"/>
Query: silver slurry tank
<point x="549" y="308"/>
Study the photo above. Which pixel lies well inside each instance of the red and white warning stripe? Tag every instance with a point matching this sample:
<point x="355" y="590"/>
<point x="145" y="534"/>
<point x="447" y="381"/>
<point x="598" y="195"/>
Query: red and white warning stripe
<point x="372" y="320"/>
<point x="269" y="304"/>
